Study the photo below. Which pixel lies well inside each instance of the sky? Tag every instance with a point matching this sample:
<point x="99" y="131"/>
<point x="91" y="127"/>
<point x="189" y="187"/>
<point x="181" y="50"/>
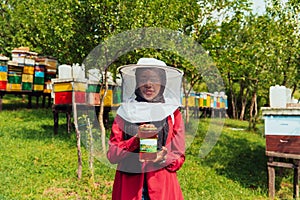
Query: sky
<point x="258" y="6"/>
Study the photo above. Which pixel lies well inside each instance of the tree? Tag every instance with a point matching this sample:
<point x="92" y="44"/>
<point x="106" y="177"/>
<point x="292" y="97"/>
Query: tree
<point x="257" y="56"/>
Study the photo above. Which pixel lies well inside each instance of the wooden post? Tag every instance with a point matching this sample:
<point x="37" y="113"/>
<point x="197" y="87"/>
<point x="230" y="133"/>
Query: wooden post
<point x="296" y="180"/>
<point x="271" y="179"/>
<point x="68" y="116"/>
<point x="78" y="136"/>
<point x="29" y="101"/>
<point x="37" y="100"/>
<point x="55" y="119"/>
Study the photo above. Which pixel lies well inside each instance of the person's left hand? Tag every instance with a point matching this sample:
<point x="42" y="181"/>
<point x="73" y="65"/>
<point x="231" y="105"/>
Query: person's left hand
<point x="161" y="156"/>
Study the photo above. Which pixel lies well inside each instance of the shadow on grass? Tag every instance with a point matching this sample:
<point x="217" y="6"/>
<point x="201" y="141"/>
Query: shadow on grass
<point x="241" y="161"/>
<point x="38" y="124"/>
<point x="35" y="124"/>
<point x="19" y="101"/>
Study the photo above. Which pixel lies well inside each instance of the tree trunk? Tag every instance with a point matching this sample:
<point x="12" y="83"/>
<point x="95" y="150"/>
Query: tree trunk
<point x="253" y="109"/>
<point x="187" y="116"/>
<point x="255" y="112"/>
<point x="91" y="149"/>
<point x="233" y="104"/>
<point x="100" y="115"/>
<point x="251" y="120"/>
<point x="79" y="156"/>
<point x="243" y="108"/>
<point x="243" y="96"/>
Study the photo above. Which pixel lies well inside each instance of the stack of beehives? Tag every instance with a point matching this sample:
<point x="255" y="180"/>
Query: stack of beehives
<point x="28" y="72"/>
<point x="39" y="75"/>
<point x="70" y="86"/>
<point x="3" y="72"/>
<point x="45" y="70"/>
<point x="50" y="73"/>
<point x="14" y="76"/>
<point x="21" y="70"/>
<point x="95" y="92"/>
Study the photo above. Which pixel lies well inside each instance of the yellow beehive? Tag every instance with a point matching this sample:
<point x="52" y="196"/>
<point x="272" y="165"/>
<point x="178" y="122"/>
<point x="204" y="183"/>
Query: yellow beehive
<point x="201" y="100"/>
<point x="3" y="76"/>
<point x="108" y="99"/>
<point x="62" y="87"/>
<point x="28" y="70"/>
<point x="78" y="86"/>
<point x="38" y="87"/>
<point x="28" y="78"/>
<point x="13" y="87"/>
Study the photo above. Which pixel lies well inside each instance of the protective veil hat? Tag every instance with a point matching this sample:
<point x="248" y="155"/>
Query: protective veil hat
<point x="135" y="111"/>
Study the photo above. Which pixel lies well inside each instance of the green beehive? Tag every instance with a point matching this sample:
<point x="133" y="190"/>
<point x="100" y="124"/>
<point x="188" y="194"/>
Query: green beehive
<point x="39" y="80"/>
<point x="117" y="96"/>
<point x="93" y="88"/>
<point x="14" y="79"/>
<point x="26" y="86"/>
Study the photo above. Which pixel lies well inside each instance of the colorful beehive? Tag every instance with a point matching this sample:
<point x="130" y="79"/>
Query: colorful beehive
<point x="28" y="71"/>
<point x="14" y="76"/>
<point x="206" y="100"/>
<point x="19" y="55"/>
<point x="197" y="97"/>
<point x="215" y="99"/>
<point x="117" y="93"/>
<point x="67" y="91"/>
<point x="282" y="129"/>
<point x="200" y="99"/>
<point x="190" y="100"/>
<point x="50" y="72"/>
<point x="39" y="75"/>
<point x="94" y="95"/>
<point x="108" y="99"/>
<point x="223" y="100"/>
<point x="3" y="72"/>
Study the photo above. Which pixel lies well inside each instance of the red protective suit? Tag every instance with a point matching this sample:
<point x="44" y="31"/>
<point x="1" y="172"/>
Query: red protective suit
<point x="161" y="179"/>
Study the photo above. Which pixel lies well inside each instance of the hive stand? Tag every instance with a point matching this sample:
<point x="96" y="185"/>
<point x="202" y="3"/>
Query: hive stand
<point x="293" y="164"/>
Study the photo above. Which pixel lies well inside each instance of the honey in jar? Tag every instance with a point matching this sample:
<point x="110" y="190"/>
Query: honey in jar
<point x="148" y="136"/>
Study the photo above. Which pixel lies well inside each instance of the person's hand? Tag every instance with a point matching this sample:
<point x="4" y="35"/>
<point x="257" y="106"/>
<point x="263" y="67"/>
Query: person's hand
<point x="161" y="156"/>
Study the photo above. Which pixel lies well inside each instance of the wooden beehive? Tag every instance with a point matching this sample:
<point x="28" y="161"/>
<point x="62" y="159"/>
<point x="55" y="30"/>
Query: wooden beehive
<point x="94" y="95"/>
<point x="67" y="91"/>
<point x="282" y="129"/>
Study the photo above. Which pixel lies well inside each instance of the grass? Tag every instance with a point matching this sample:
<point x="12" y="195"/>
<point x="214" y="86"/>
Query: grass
<point x="36" y="164"/>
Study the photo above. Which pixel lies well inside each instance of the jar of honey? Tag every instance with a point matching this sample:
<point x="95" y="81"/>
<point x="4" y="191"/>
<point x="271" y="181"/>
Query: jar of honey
<point x="148" y="136"/>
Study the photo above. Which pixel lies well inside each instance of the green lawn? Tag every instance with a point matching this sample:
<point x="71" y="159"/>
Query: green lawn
<point x="36" y="164"/>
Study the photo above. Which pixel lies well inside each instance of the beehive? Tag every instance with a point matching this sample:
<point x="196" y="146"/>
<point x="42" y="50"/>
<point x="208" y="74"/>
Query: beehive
<point x="94" y="95"/>
<point x="282" y="129"/>
<point x="67" y="91"/>
<point x="3" y="72"/>
<point x="14" y="76"/>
